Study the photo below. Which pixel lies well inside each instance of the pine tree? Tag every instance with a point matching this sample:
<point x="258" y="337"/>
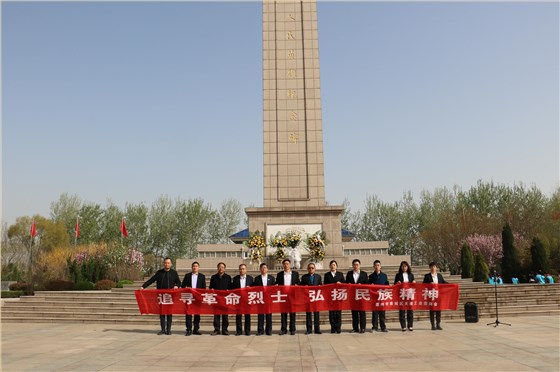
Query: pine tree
<point x="467" y="261"/>
<point x="510" y="260"/>
<point x="538" y="256"/>
<point x="480" y="269"/>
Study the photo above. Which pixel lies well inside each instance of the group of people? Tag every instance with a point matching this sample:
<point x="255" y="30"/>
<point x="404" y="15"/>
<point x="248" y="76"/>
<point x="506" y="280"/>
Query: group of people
<point x="167" y="278"/>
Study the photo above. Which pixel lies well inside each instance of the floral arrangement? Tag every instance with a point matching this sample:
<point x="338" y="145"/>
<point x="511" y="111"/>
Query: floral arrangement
<point x="279" y="242"/>
<point x="293" y="237"/>
<point x="256" y="243"/>
<point x="316" y="245"/>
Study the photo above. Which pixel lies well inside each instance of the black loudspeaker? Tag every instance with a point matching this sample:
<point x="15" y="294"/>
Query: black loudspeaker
<point x="471" y="312"/>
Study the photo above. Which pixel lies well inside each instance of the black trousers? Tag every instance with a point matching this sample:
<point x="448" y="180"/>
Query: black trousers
<point x="260" y="324"/>
<point x="225" y="323"/>
<point x="437" y="315"/>
<point x="284" y="322"/>
<point x="335" y="319"/>
<point x="358" y="320"/>
<point x="409" y="318"/>
<point x="165" y="322"/>
<point x="315" y="325"/>
<point x="239" y="325"/>
<point x="189" y="322"/>
<point x="378" y="316"/>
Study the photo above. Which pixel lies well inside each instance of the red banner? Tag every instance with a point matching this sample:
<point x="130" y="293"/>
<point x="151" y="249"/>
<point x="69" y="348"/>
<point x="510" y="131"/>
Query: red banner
<point x="293" y="299"/>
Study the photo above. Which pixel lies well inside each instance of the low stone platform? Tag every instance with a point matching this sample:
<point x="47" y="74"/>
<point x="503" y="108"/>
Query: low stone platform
<point x="529" y="344"/>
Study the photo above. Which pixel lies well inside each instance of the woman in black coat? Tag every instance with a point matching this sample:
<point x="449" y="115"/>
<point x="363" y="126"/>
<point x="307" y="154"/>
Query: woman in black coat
<point x="405" y="276"/>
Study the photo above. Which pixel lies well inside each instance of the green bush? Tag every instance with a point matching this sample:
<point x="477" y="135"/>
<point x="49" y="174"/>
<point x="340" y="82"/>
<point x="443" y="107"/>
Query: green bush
<point x="20" y="286"/>
<point x="11" y="294"/>
<point x="59" y="285"/>
<point x="105" y="284"/>
<point x="121" y="283"/>
<point x="84" y="286"/>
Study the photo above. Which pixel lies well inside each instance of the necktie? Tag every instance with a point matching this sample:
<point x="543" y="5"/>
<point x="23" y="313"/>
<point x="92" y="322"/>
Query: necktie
<point x="311" y="279"/>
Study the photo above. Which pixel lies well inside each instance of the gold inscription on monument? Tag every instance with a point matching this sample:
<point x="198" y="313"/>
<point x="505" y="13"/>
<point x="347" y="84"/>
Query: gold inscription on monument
<point x="293" y="137"/>
<point x="293" y="116"/>
<point x="291" y="93"/>
<point x="291" y="73"/>
<point x="291" y="54"/>
<point x="290" y="35"/>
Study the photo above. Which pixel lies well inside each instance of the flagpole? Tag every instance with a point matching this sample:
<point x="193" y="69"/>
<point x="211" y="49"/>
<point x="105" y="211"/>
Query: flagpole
<point x="33" y="233"/>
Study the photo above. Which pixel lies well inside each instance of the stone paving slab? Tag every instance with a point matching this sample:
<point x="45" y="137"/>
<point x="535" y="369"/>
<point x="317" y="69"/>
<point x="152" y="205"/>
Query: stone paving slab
<point x="530" y="344"/>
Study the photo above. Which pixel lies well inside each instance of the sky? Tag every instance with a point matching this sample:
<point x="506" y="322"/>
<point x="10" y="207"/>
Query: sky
<point x="127" y="101"/>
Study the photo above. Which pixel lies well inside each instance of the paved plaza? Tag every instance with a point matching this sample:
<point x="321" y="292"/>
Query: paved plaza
<point x="530" y="344"/>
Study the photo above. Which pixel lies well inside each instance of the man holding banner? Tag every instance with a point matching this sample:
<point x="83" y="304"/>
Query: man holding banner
<point x="165" y="278"/>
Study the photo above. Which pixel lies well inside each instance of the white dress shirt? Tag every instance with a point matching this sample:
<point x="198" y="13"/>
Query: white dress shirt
<point x="264" y="277"/>
<point x="194" y="280"/>
<point x="242" y="281"/>
<point x="405" y="277"/>
<point x="287" y="278"/>
<point x="356" y="276"/>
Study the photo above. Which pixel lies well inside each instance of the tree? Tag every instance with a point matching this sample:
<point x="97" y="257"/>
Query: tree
<point x="538" y="256"/>
<point x="480" y="268"/>
<point x="65" y="210"/>
<point x="467" y="262"/>
<point x="510" y="260"/>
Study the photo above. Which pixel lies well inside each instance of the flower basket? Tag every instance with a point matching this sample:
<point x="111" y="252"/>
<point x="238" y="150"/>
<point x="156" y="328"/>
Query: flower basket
<point x="315" y="245"/>
<point x="256" y="244"/>
<point x="279" y="242"/>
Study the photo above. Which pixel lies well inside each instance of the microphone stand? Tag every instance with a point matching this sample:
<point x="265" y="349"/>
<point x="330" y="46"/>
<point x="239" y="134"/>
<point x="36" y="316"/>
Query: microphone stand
<point x="497" y="321"/>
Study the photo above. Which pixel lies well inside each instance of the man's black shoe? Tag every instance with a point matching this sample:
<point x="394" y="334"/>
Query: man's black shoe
<point x="188" y="333"/>
<point x="197" y="332"/>
<point x="363" y="331"/>
<point x="161" y="333"/>
<point x="225" y="333"/>
<point x="292" y="333"/>
<point x="318" y="332"/>
<point x="268" y="333"/>
<point x="384" y="330"/>
<point x="308" y="332"/>
<point x="168" y="333"/>
<point x="282" y="333"/>
<point x="259" y="333"/>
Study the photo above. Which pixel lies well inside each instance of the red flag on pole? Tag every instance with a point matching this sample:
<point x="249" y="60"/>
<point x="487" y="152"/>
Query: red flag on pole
<point x="33" y="230"/>
<point x="77" y="229"/>
<point x="123" y="228"/>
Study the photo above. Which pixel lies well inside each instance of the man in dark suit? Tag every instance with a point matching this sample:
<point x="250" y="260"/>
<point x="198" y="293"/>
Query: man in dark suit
<point x="165" y="278"/>
<point x="311" y="279"/>
<point x="287" y="277"/>
<point x="194" y="279"/>
<point x="241" y="281"/>
<point x="356" y="276"/>
<point x="220" y="281"/>
<point x="379" y="278"/>
<point x="264" y="280"/>
<point x="332" y="277"/>
<point x="436" y="278"/>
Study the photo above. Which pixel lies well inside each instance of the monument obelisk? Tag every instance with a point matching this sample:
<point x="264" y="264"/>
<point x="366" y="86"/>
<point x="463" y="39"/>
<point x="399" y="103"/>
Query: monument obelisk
<point x="294" y="186"/>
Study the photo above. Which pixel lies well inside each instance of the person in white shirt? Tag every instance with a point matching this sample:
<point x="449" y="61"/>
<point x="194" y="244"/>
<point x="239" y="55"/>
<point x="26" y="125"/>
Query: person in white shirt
<point x="331" y="277"/>
<point x="194" y="279"/>
<point x="287" y="277"/>
<point x="241" y="281"/>
<point x="264" y="280"/>
<point x="436" y="278"/>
